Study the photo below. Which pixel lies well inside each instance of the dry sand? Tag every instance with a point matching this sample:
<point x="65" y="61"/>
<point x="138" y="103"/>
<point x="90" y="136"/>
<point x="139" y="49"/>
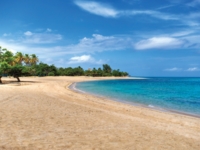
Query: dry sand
<point x="43" y="113"/>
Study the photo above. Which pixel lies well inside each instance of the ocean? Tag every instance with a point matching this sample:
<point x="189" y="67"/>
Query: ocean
<point x="166" y="94"/>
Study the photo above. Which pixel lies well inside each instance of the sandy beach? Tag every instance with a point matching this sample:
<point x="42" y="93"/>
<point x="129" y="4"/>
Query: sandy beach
<point x="42" y="113"/>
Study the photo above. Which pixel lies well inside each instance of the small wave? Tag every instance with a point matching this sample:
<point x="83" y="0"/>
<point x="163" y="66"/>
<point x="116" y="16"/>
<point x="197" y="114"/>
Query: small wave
<point x="151" y="106"/>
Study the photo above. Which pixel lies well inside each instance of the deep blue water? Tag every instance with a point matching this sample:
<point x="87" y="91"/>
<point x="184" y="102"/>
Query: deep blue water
<point x="178" y="94"/>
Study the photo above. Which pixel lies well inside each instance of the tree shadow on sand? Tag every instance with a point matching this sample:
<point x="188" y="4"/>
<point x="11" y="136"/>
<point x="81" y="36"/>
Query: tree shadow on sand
<point x="16" y="83"/>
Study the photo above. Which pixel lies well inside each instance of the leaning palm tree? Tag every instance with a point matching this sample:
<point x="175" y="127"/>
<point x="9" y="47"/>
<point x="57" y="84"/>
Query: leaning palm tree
<point x="19" y="58"/>
<point x="34" y="59"/>
<point x="27" y="59"/>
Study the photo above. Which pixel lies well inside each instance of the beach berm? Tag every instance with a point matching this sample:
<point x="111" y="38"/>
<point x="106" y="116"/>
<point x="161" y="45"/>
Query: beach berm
<point x="43" y="113"/>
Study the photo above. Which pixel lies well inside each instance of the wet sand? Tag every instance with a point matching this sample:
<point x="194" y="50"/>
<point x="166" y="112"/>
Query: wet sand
<point x="43" y="113"/>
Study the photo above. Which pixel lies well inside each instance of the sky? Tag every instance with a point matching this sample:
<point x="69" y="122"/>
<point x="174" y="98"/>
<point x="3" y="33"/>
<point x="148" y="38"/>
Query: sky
<point x="143" y="38"/>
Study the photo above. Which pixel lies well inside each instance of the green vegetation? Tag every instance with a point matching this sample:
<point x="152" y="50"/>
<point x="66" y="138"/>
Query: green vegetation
<point x="18" y="65"/>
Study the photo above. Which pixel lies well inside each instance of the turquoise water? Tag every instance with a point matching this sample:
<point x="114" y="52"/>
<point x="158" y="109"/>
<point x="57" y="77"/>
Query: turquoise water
<point x="176" y="94"/>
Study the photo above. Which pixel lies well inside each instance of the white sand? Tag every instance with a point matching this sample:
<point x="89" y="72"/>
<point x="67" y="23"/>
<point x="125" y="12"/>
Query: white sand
<point x="43" y="113"/>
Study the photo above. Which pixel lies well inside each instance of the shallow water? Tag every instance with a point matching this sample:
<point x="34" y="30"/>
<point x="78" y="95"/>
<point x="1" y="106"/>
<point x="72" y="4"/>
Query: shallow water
<point x="176" y="94"/>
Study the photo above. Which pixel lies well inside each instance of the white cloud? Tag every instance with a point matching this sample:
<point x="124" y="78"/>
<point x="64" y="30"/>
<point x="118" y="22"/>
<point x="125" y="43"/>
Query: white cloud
<point x="96" y="43"/>
<point x="12" y="47"/>
<point x="6" y="34"/>
<point x="182" y="33"/>
<point x="188" y="37"/>
<point x="99" y="43"/>
<point x="158" y="42"/>
<point x="49" y="30"/>
<point x="173" y="69"/>
<point x="107" y="11"/>
<point x="28" y="33"/>
<point x="97" y="8"/>
<point x="192" y="41"/>
<point x="193" y="69"/>
<point x="151" y="13"/>
<point x="100" y="62"/>
<point x="191" y="22"/>
<point x="84" y="59"/>
<point x="191" y="19"/>
<point x="39" y="38"/>
<point x="80" y="59"/>
<point x="43" y="52"/>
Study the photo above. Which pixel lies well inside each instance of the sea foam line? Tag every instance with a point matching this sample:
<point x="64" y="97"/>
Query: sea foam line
<point x="73" y="87"/>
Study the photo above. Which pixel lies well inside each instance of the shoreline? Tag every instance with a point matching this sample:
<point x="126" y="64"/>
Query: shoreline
<point x="43" y="113"/>
<point x="159" y="109"/>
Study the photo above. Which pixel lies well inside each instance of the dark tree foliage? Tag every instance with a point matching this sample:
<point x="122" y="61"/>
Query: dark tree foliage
<point x="107" y="69"/>
<point x="43" y="69"/>
<point x="16" y="71"/>
<point x="26" y="65"/>
<point x="46" y="70"/>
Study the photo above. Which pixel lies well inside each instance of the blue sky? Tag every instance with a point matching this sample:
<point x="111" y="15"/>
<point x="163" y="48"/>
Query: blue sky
<point x="144" y="38"/>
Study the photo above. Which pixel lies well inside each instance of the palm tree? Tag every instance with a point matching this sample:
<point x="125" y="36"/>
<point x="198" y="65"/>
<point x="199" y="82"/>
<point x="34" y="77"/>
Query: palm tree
<point x="8" y="57"/>
<point x="34" y="59"/>
<point x="27" y="59"/>
<point x="19" y="58"/>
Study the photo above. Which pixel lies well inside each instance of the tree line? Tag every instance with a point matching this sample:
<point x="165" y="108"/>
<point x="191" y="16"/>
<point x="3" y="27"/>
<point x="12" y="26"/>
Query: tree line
<point x="19" y="64"/>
